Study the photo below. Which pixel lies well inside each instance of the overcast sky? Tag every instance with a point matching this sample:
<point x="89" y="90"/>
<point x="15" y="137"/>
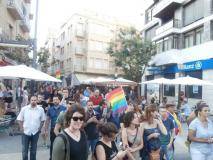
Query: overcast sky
<point x="53" y="13"/>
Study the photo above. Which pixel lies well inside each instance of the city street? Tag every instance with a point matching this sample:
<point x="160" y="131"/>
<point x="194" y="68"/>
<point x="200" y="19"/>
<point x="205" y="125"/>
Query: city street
<point x="10" y="148"/>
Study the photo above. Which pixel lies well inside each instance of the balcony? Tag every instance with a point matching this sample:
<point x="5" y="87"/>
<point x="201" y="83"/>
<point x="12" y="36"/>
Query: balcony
<point x="166" y="7"/>
<point x="175" y="23"/>
<point x="170" y="27"/>
<point x="79" y="51"/>
<point x="25" y="25"/>
<point x="14" y="8"/>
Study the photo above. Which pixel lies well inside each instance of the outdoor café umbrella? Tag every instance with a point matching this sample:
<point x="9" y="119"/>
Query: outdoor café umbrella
<point x="123" y="82"/>
<point x="24" y="72"/>
<point x="158" y="81"/>
<point x="190" y="81"/>
<point x="97" y="81"/>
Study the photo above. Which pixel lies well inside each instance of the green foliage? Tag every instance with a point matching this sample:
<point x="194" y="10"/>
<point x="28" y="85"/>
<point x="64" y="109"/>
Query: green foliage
<point x="131" y="53"/>
<point x="43" y="56"/>
<point x="19" y="55"/>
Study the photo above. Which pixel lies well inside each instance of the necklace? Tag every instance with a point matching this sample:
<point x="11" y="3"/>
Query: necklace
<point x="77" y="136"/>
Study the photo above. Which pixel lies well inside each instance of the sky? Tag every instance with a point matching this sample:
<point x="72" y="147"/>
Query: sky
<point x="53" y="13"/>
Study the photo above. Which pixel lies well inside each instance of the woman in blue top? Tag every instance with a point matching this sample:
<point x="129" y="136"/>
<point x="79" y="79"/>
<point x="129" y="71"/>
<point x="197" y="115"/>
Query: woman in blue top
<point x="201" y="134"/>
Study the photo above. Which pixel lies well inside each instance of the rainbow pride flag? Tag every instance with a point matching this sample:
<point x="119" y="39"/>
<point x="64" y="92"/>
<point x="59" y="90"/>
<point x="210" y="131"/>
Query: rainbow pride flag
<point x="117" y="100"/>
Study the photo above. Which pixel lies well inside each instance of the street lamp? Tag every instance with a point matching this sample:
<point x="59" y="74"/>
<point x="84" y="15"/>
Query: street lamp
<point x="34" y="64"/>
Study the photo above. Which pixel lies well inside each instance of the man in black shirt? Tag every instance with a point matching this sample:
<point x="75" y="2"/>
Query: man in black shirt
<point x="92" y="119"/>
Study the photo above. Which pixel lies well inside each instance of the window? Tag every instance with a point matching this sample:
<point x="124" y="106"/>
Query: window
<point x="98" y="63"/>
<point x="199" y="36"/>
<point x="148" y="15"/>
<point x="193" y="12"/>
<point x="150" y="33"/>
<point x="91" y="62"/>
<point x="188" y="40"/>
<point x="79" y="47"/>
<point x="211" y="29"/>
<point x="63" y="36"/>
<point x="194" y="37"/>
<point x="169" y="90"/>
<point x="99" y="29"/>
<point x="194" y="91"/>
<point x="80" y="29"/>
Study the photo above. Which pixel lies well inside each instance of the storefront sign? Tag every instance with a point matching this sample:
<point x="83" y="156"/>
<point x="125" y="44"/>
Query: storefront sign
<point x="192" y="66"/>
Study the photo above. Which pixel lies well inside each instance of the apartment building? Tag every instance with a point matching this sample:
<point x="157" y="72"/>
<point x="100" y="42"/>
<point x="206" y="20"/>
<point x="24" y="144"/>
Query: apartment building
<point x="183" y="33"/>
<point x="14" y="24"/>
<point x="80" y="49"/>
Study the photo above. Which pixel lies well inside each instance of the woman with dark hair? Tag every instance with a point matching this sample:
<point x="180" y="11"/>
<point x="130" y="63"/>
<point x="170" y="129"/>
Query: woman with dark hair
<point x="106" y="148"/>
<point x="71" y="143"/>
<point x="201" y="134"/>
<point x="151" y="126"/>
<point x="132" y="136"/>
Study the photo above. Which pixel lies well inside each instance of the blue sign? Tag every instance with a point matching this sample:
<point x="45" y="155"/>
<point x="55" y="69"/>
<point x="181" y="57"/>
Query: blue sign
<point x="191" y="66"/>
<point x="186" y="67"/>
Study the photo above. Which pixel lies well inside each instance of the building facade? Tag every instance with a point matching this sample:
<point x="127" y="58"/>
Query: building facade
<point x="183" y="33"/>
<point x="15" y="19"/>
<point x="80" y="48"/>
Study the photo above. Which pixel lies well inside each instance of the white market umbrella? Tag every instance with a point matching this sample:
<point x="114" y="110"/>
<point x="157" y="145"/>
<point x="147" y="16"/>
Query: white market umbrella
<point x="123" y="82"/>
<point x="24" y="72"/>
<point x="158" y="81"/>
<point x="190" y="81"/>
<point x="97" y="81"/>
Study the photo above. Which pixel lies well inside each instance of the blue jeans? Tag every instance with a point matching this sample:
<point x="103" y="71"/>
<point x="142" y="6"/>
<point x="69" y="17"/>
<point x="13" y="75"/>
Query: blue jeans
<point x="168" y="152"/>
<point x="32" y="142"/>
<point x="92" y="144"/>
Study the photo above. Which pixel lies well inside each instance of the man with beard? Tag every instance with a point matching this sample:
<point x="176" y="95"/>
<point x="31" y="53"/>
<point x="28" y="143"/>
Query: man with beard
<point x="92" y="119"/>
<point x="31" y="119"/>
<point x="52" y="115"/>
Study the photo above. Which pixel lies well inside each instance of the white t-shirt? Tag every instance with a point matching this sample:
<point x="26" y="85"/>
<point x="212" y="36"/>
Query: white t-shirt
<point x="32" y="118"/>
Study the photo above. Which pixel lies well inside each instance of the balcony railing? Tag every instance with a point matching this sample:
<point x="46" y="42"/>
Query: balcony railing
<point x="175" y="23"/>
<point x="14" y="9"/>
<point x="163" y="5"/>
<point x="25" y="25"/>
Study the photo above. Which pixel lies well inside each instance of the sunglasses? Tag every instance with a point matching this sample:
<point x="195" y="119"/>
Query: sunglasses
<point x="78" y="118"/>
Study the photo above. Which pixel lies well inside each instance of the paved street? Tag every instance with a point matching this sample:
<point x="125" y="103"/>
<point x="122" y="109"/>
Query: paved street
<point x="10" y="148"/>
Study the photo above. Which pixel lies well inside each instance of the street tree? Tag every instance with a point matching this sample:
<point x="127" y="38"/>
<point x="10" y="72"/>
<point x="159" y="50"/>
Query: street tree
<point x="43" y="56"/>
<point x="131" y="53"/>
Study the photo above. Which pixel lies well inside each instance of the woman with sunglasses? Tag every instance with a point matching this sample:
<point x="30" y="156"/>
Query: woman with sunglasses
<point x="106" y="148"/>
<point x="71" y="143"/>
<point x="201" y="134"/>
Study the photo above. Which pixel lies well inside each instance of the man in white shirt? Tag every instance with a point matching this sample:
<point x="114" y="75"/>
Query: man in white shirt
<point x="31" y="119"/>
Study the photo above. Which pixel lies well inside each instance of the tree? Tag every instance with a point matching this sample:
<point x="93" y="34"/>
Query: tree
<point x="43" y="56"/>
<point x="19" y="55"/>
<point x="131" y="53"/>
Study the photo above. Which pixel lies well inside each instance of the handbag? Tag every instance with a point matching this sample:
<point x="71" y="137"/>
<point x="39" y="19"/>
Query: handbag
<point x="131" y="144"/>
<point x="154" y="155"/>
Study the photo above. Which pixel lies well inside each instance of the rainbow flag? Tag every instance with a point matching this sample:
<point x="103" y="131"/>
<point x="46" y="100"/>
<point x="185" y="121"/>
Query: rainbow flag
<point x="177" y="124"/>
<point x="117" y="100"/>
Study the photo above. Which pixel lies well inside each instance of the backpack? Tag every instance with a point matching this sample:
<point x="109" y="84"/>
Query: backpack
<point x="65" y="142"/>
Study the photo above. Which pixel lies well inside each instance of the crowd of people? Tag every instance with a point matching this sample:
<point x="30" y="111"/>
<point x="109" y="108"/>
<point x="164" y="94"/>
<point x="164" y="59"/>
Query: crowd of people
<point x="80" y="124"/>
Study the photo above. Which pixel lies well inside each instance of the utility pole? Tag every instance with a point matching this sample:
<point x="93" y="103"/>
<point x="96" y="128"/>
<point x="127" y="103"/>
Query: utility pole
<point x="34" y="65"/>
<point x="35" y="36"/>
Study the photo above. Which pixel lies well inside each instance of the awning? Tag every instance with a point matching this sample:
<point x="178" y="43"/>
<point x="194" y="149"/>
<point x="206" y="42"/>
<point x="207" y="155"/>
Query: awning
<point x="166" y="58"/>
<point x="77" y="79"/>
